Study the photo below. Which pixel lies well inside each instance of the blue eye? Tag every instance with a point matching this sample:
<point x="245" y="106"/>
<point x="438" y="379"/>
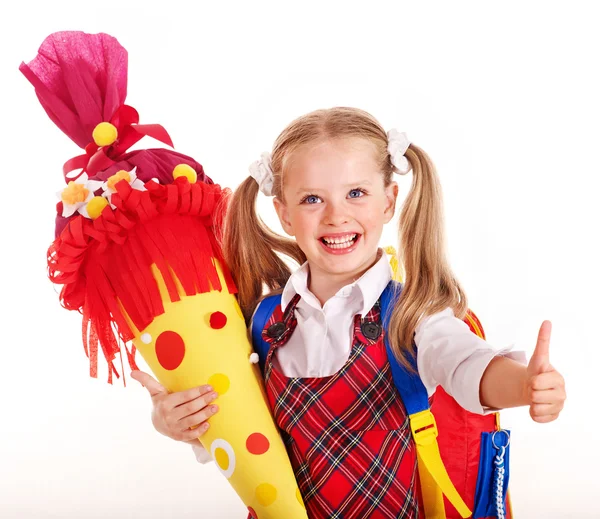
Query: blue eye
<point x="356" y="193"/>
<point x="310" y="199"/>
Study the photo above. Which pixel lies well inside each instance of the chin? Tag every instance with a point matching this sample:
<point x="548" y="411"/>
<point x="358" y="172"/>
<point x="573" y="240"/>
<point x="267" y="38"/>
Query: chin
<point x="345" y="264"/>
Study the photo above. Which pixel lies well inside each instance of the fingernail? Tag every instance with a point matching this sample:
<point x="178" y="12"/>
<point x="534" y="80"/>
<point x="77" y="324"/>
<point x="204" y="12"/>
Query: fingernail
<point x="208" y="388"/>
<point x="214" y="408"/>
<point x="205" y="425"/>
<point x="213" y="395"/>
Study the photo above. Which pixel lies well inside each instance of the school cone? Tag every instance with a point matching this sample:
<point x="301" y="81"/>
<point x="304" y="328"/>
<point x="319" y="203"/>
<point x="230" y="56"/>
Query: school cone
<point x="136" y="253"/>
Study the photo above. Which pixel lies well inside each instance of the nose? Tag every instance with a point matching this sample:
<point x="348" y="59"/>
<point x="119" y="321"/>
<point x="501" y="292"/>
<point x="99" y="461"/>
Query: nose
<point x="336" y="214"/>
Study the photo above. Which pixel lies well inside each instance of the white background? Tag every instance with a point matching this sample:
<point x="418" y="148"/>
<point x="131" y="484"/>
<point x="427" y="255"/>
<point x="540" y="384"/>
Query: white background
<point x="504" y="98"/>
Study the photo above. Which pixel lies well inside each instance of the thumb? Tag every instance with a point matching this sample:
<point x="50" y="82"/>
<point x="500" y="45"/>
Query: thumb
<point x="540" y="360"/>
<point x="150" y="383"/>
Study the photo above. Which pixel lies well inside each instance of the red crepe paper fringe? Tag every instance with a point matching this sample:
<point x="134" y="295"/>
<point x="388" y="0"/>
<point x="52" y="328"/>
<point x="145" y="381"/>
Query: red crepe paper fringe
<point x="105" y="264"/>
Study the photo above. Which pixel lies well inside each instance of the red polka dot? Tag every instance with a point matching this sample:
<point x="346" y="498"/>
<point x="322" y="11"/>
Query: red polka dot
<point x="170" y="350"/>
<point x="252" y="513"/>
<point x="218" y="320"/>
<point x="257" y="443"/>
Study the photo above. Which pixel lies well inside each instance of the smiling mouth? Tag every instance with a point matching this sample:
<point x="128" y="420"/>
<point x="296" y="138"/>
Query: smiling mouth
<point x="340" y="242"/>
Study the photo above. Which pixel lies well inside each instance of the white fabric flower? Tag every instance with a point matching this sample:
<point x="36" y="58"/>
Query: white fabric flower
<point x="262" y="173"/>
<point x="109" y="189"/>
<point x="77" y="194"/>
<point x="398" y="143"/>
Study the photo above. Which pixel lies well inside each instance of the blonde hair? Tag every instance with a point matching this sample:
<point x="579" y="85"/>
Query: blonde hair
<point x="251" y="248"/>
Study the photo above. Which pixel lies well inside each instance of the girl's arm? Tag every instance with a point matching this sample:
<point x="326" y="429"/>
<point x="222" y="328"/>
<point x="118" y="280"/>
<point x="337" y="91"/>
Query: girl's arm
<point x="482" y="378"/>
<point x="506" y="383"/>
<point x="450" y="355"/>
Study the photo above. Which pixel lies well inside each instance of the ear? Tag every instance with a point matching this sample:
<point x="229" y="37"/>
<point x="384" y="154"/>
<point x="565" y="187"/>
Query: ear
<point x="284" y="216"/>
<point x="391" y="193"/>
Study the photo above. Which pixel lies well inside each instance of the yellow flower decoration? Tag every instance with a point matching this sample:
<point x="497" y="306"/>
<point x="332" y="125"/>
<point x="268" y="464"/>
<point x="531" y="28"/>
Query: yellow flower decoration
<point x="77" y="194"/>
<point x="109" y="187"/>
<point x="117" y="177"/>
<point x="74" y="193"/>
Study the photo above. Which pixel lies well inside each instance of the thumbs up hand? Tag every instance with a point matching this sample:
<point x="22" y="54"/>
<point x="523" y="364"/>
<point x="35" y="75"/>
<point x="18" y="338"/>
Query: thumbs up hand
<point x="182" y="415"/>
<point x="545" y="387"/>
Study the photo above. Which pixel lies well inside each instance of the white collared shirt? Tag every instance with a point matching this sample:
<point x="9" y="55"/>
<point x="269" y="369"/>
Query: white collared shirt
<point x="448" y="353"/>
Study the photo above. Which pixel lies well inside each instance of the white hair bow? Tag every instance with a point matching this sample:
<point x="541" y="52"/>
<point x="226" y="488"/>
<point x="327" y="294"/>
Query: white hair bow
<point x="262" y="173"/>
<point x="398" y="143"/>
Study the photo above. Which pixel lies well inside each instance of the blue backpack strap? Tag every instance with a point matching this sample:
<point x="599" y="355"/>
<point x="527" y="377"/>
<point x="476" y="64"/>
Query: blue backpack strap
<point x="435" y="482"/>
<point x="262" y="314"/>
<point x="409" y="385"/>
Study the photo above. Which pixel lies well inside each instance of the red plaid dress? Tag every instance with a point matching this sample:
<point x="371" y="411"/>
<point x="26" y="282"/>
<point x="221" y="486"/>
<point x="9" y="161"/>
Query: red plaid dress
<point x="347" y="435"/>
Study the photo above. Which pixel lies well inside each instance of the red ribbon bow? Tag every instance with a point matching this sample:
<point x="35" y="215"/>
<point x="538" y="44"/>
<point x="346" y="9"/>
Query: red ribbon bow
<point x="129" y="131"/>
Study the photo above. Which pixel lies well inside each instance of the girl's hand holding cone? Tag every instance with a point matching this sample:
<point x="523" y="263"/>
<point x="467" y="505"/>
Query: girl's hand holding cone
<point x="183" y="415"/>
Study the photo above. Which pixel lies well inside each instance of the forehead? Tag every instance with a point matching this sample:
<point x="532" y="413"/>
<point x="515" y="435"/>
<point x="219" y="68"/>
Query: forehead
<point x="344" y="159"/>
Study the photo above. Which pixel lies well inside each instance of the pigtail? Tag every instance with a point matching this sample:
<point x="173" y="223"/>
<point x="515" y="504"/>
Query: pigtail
<point x="429" y="284"/>
<point x="250" y="247"/>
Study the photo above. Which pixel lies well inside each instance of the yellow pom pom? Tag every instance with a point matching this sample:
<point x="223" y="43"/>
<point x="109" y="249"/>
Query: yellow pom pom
<point x="105" y="134"/>
<point x="95" y="206"/>
<point x="183" y="170"/>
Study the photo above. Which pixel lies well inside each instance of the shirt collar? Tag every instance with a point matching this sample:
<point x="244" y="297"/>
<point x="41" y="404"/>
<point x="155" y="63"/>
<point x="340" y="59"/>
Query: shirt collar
<point x="369" y="286"/>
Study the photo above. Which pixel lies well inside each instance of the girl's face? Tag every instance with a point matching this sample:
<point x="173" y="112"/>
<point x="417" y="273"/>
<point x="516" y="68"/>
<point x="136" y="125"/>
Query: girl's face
<point x="335" y="204"/>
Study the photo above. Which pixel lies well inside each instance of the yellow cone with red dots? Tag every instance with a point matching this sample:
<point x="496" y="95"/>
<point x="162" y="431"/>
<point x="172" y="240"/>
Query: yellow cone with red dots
<point x="202" y="339"/>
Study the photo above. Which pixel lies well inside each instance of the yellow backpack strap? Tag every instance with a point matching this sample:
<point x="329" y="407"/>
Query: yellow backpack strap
<point x="435" y="481"/>
<point x="396" y="275"/>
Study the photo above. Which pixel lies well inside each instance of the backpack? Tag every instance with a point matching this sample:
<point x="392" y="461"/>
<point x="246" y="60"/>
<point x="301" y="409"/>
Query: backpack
<point x="463" y="457"/>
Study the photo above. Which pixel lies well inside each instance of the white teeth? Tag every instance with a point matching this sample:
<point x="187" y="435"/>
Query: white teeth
<point x="341" y="242"/>
<point x="341" y="239"/>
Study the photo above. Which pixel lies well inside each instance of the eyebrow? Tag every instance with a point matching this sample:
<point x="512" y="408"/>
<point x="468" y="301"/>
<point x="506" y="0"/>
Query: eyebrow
<point x="353" y="184"/>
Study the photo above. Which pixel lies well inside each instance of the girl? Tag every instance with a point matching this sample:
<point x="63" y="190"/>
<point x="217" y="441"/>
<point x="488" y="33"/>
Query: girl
<point x="331" y="175"/>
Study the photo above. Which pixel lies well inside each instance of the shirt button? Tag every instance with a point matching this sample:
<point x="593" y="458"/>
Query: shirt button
<point x="370" y="330"/>
<point x="276" y="330"/>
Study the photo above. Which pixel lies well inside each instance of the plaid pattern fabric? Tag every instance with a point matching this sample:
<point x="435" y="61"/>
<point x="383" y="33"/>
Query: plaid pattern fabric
<point x="348" y="435"/>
